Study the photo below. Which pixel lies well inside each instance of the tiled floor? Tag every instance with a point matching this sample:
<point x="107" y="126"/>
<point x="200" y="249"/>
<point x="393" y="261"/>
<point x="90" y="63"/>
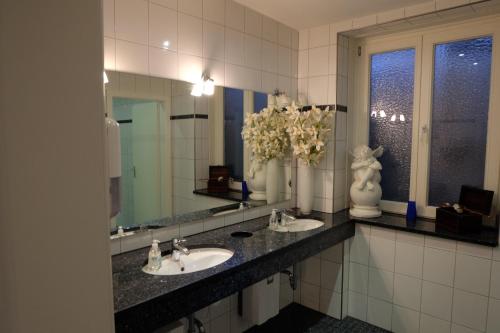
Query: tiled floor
<point x="296" y="318"/>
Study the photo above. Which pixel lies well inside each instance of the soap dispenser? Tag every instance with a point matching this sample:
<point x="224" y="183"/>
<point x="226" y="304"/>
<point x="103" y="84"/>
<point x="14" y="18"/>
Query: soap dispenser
<point x="154" y="258"/>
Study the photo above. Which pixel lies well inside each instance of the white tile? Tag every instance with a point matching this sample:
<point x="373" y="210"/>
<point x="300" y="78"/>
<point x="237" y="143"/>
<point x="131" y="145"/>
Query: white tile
<point x="191" y="7"/>
<point x="304" y="39"/>
<point x="242" y="77"/>
<point x="439" y="266"/>
<point x="495" y="280"/>
<point x="409" y="238"/>
<point x="474" y="250"/>
<point x="190" y="35"/>
<point x="359" y="247"/>
<point x="409" y="259"/>
<point x="469" y="310"/>
<point x="163" y="63"/>
<point x="407" y="291"/>
<point x="235" y="47"/>
<point x="340" y="183"/>
<point x="284" y="84"/>
<point x="231" y="219"/>
<point x="341" y="126"/>
<point x="235" y="16"/>
<point x="162" y="27"/>
<point x="253" y="23"/>
<point x="319" y="36"/>
<point x="444" y="4"/>
<point x="437" y="300"/>
<point x="333" y="253"/>
<point x="284" y="36"/>
<point x="269" y="57"/>
<point x="214" y="10"/>
<point x="213" y="41"/>
<point x="365" y="21"/>
<point x="166" y="3"/>
<point x="221" y="324"/>
<point x="269" y="29"/>
<point x="330" y="303"/>
<point x="309" y="295"/>
<point x="493" y="325"/>
<point x="294" y="64"/>
<point x="131" y="20"/>
<point x="302" y="89"/>
<point x="461" y="329"/>
<point x="434" y="325"/>
<point x="166" y="234"/>
<point x="379" y="313"/>
<point x="303" y="66"/>
<point x="216" y="70"/>
<point x="440" y="243"/>
<point x="357" y="305"/>
<point x="295" y="40"/>
<point x="391" y="15"/>
<point x="269" y="82"/>
<point x="318" y="61"/>
<point x="190" y="228"/>
<point x="218" y="308"/>
<point x="332" y="60"/>
<point x="421" y="8"/>
<point x="381" y="284"/>
<point x="358" y="278"/>
<point x="109" y="53"/>
<point x="284" y="61"/>
<point x="382" y="252"/>
<point x="136" y="241"/>
<point x="132" y="58"/>
<point x="404" y="320"/>
<point x="383" y="233"/>
<point x="331" y="275"/>
<point x="318" y="90"/>
<point x="472" y="274"/>
<point x="253" y="52"/>
<point x="115" y="246"/>
<point x="310" y="271"/>
<point x="496" y="253"/>
<point x="108" y="16"/>
<point x="213" y="223"/>
<point x="190" y="68"/>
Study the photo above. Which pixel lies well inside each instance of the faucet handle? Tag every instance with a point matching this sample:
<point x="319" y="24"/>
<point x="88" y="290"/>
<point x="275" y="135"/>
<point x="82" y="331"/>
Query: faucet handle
<point x="179" y="241"/>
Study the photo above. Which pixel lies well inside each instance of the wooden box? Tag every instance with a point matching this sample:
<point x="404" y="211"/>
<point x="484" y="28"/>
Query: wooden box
<point x="476" y="203"/>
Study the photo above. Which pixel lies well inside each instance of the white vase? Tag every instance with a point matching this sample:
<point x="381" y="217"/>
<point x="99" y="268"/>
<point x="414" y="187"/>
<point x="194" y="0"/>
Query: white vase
<point x="305" y="184"/>
<point x="272" y="181"/>
<point x="257" y="181"/>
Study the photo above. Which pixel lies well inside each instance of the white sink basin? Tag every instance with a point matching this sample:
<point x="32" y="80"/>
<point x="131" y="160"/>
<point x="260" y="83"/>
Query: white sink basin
<point x="199" y="259"/>
<point x="300" y="225"/>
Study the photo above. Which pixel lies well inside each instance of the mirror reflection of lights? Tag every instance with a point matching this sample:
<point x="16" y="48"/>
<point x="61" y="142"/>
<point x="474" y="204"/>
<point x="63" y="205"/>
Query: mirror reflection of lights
<point x="461" y="55"/>
<point x="381" y="114"/>
<point x="204" y="86"/>
<point x="166" y="44"/>
<point x="475" y="64"/>
<point x="394" y="117"/>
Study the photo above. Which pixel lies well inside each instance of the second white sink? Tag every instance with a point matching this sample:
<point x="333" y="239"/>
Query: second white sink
<point x="199" y="259"/>
<point x="300" y="225"/>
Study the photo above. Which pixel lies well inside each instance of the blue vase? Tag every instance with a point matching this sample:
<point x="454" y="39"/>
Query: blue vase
<point x="411" y="212"/>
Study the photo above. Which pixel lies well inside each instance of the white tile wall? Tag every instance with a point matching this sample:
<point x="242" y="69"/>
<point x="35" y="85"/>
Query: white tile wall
<point x="228" y="41"/>
<point x="436" y="285"/>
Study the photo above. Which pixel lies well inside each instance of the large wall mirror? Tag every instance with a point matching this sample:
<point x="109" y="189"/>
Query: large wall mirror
<point x="170" y="139"/>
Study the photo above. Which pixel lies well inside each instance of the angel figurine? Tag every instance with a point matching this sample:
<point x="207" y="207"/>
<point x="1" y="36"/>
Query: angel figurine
<point x="365" y="189"/>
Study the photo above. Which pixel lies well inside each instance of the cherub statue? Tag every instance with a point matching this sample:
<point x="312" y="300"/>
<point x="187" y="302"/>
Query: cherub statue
<point x="365" y="189"/>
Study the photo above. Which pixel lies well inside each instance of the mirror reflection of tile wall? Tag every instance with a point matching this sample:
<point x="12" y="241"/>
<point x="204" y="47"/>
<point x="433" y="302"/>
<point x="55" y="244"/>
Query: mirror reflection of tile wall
<point x="170" y="138"/>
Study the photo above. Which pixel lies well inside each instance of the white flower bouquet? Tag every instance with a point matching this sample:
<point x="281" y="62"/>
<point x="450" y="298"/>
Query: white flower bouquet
<point x="308" y="132"/>
<point x="265" y="133"/>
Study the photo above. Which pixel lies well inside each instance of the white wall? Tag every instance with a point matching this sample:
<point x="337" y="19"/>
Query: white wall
<point x="237" y="46"/>
<point x="54" y="229"/>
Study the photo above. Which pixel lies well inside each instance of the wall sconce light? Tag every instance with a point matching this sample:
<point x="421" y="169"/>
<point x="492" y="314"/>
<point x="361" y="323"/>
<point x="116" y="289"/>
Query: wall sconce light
<point x="105" y="77"/>
<point x="204" y="86"/>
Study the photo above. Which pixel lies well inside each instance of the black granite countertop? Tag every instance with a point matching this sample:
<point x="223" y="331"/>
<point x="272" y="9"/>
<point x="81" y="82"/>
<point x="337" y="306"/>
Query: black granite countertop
<point x="488" y="235"/>
<point x="143" y="301"/>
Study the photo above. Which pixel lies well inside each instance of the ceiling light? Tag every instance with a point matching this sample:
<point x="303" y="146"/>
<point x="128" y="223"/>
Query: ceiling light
<point x="402" y="117"/>
<point x="208" y="87"/>
<point x="166" y="44"/>
<point x="197" y="89"/>
<point x="204" y="86"/>
<point x="382" y="114"/>
<point x="393" y="117"/>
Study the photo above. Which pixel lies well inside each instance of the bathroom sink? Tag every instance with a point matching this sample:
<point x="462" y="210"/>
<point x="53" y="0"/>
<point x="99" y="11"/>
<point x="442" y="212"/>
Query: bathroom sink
<point x="198" y="260"/>
<point x="300" y="225"/>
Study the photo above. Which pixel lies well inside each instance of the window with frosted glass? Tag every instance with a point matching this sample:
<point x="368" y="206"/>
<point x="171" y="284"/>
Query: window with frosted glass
<point x="461" y="90"/>
<point x="391" y="109"/>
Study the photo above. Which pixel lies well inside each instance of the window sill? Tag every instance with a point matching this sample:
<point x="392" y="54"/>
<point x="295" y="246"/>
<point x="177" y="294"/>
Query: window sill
<point x="488" y="236"/>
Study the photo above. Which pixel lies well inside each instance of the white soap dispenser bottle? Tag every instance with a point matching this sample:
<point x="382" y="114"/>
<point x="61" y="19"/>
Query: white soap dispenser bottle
<point x="154" y="258"/>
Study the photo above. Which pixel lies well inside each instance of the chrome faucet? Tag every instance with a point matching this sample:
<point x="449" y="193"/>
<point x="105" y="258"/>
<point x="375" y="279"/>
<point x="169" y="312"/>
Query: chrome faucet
<point x="284" y="217"/>
<point x="176" y="246"/>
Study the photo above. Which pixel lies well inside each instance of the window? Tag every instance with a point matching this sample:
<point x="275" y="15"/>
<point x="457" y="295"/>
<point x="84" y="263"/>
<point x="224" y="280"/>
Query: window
<point x="427" y="100"/>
